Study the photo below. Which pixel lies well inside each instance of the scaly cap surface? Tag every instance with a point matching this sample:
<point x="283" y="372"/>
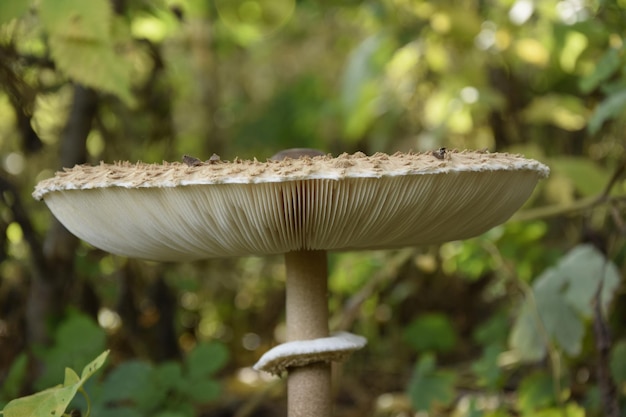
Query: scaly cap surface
<point x="174" y="212"/>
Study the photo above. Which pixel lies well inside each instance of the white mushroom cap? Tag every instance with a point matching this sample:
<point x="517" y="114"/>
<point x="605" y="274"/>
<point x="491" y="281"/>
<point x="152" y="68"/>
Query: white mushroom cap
<point x="174" y="212"/>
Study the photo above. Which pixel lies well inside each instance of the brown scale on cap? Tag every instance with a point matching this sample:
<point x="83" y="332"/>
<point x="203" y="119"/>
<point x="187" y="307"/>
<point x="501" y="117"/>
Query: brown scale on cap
<point x="296" y="153"/>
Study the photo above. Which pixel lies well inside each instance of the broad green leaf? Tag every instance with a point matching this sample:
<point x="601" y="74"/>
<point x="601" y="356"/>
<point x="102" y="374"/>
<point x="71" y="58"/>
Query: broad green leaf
<point x="202" y="391"/>
<point x="582" y="269"/>
<point x="12" y="9"/>
<point x="93" y="366"/>
<point x="429" y="386"/>
<point x="526" y="337"/>
<point x="494" y="330"/>
<point x="14" y="377"/>
<point x="351" y="271"/>
<point x="431" y="332"/>
<point x="205" y="359"/>
<point x="172" y="413"/>
<point x="486" y="368"/>
<point x="361" y="85"/>
<point x="168" y="375"/>
<point x="587" y="177"/>
<point x="536" y="391"/>
<point x="605" y="67"/>
<point x="77" y="19"/>
<point x="565" y="111"/>
<point x="71" y="377"/>
<point x="76" y="341"/>
<point x="50" y="402"/>
<point x="570" y="410"/>
<point x="131" y="381"/>
<point x="608" y="109"/>
<point x="53" y="401"/>
<point x="101" y="410"/>
<point x="94" y="64"/>
<point x="618" y="362"/>
<point x="563" y="299"/>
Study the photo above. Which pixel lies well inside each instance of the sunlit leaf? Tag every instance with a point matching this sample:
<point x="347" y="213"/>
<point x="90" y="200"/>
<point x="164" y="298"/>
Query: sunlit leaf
<point x="361" y="85"/>
<point x="50" y="402"/>
<point x="53" y="401"/>
<point x="76" y="19"/>
<point x="536" y="391"/>
<point x="565" y="111"/>
<point x="570" y="410"/>
<point x="575" y="44"/>
<point x="11" y="9"/>
<point x="94" y="64"/>
<point x="71" y="377"/>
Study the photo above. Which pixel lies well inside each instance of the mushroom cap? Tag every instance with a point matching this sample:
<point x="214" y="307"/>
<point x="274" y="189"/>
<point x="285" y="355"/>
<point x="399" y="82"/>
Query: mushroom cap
<point x="176" y="212"/>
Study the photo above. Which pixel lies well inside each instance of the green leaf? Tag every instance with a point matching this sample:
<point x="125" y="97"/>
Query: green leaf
<point x="205" y="360"/>
<point x="486" y="368"/>
<point x="202" y="391"/>
<point x="77" y="19"/>
<point x="563" y="299"/>
<point x="610" y="108"/>
<point x="535" y="391"/>
<point x="494" y="330"/>
<point x="94" y="64"/>
<point x="14" y="377"/>
<point x="53" y="401"/>
<point x="47" y="403"/>
<point x="565" y="111"/>
<point x="168" y="375"/>
<point x="13" y="9"/>
<point x="361" y="84"/>
<point x="618" y="362"/>
<point x="587" y="177"/>
<point x="132" y="381"/>
<point x="71" y="377"/>
<point x="431" y="332"/>
<point x="605" y="67"/>
<point x="526" y="337"/>
<point x="570" y="410"/>
<point x="76" y="341"/>
<point x="429" y="386"/>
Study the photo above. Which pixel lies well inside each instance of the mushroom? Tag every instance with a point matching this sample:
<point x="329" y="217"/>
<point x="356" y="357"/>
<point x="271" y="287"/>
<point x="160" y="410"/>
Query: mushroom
<point x="300" y="207"/>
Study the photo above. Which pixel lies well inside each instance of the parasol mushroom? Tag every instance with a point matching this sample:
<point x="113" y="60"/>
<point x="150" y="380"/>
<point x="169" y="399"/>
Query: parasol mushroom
<point x="298" y="207"/>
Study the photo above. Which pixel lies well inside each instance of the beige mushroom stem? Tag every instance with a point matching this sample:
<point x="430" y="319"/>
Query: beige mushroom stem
<point x="309" y="386"/>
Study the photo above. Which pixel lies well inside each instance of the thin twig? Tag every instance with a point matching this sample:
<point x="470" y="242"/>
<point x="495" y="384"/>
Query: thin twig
<point x="602" y="334"/>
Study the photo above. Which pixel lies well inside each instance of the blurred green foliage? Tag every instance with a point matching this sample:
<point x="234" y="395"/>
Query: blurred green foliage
<point x="499" y="325"/>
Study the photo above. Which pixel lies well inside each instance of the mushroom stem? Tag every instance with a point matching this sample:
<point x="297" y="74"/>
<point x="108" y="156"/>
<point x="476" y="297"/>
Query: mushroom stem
<point x="308" y="387"/>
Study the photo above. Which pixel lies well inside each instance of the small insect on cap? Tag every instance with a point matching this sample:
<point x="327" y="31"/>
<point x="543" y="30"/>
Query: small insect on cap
<point x="178" y="211"/>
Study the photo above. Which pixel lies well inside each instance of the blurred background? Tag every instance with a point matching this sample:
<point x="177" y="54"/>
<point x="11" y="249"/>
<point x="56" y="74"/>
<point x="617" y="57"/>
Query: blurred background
<point x="528" y="319"/>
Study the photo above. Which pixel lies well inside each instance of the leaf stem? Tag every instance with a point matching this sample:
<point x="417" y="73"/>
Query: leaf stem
<point x="82" y="391"/>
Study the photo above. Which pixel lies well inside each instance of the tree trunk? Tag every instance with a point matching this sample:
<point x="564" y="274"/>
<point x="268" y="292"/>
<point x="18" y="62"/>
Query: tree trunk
<point x="47" y="294"/>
